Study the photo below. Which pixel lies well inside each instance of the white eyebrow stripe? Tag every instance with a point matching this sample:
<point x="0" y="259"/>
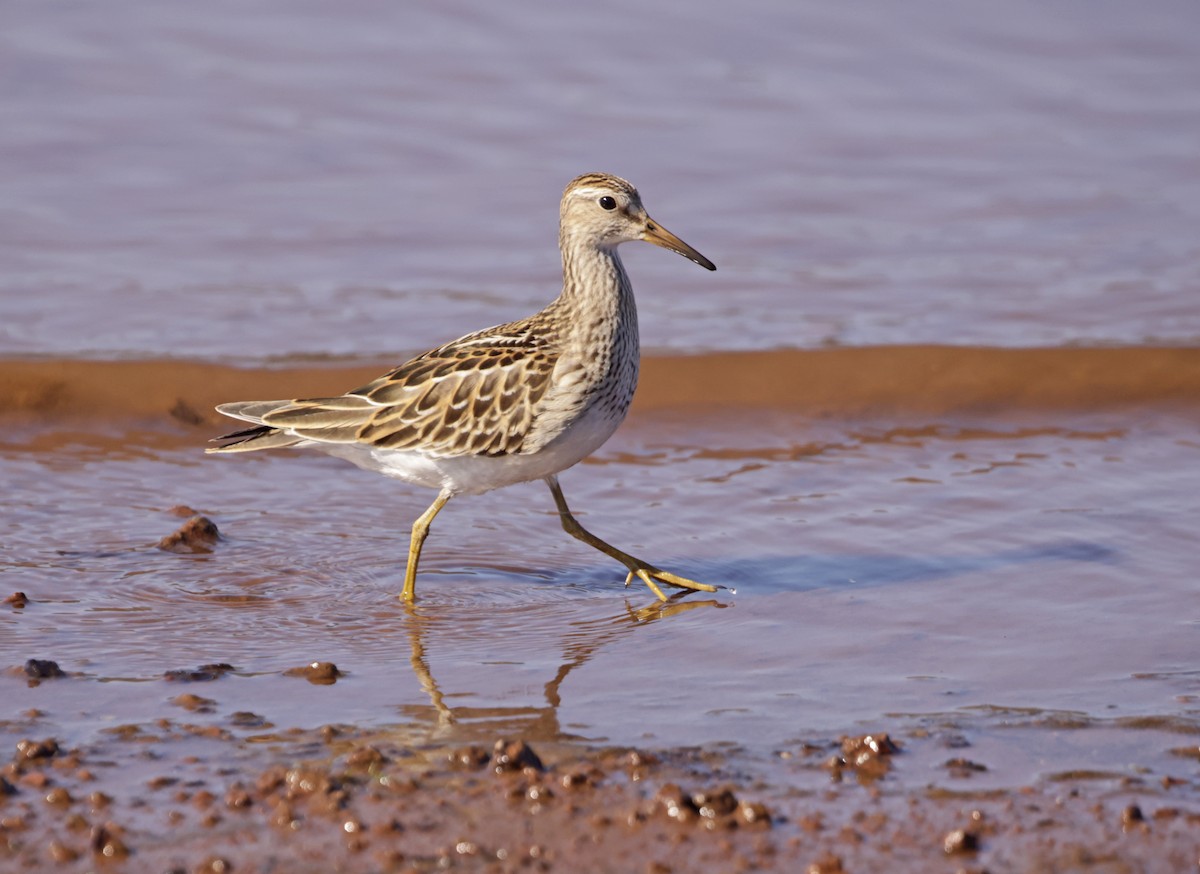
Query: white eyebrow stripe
<point x="593" y="191"/>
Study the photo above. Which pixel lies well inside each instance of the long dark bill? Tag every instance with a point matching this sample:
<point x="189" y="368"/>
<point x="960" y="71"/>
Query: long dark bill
<point x="660" y="236"/>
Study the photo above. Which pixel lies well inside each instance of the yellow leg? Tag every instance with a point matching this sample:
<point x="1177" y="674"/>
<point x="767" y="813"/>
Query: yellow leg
<point x="420" y="531"/>
<point x="647" y="573"/>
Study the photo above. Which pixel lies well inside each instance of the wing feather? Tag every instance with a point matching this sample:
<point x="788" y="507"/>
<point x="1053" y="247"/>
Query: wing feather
<point x="480" y="406"/>
<point x="476" y="396"/>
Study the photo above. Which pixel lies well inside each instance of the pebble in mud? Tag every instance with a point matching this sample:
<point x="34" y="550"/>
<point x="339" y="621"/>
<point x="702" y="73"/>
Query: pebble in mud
<point x="37" y="749"/>
<point x="868" y="756"/>
<point x="238" y="797"/>
<point x="194" y="703"/>
<point x="517" y="755"/>
<point x="214" y="865"/>
<point x="826" y="865"/>
<point x="673" y="802"/>
<point x="317" y="673"/>
<point x="202" y="674"/>
<point x="470" y="758"/>
<point x="959" y="842"/>
<point x="248" y="719"/>
<point x="197" y="535"/>
<point x="715" y="804"/>
<point x="61" y="853"/>
<point x="59" y="797"/>
<point x="107" y="842"/>
<point x="712" y="809"/>
<point x="963" y="768"/>
<point x="366" y="758"/>
<point x="1132" y="818"/>
<point x="42" y="669"/>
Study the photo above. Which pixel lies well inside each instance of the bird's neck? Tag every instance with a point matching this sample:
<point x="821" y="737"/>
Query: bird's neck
<point x="599" y="324"/>
<point x="595" y="285"/>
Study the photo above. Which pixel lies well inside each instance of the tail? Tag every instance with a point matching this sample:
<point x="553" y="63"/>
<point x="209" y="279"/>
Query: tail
<point x="252" y="439"/>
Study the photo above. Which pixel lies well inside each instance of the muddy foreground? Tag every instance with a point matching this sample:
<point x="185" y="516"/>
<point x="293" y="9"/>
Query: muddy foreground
<point x="190" y="793"/>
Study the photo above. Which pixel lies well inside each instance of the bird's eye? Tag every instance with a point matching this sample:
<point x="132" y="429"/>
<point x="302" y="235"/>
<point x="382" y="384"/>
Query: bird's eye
<point x="608" y="202"/>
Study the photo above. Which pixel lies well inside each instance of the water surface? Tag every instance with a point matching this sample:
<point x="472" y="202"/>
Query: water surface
<point x="298" y="179"/>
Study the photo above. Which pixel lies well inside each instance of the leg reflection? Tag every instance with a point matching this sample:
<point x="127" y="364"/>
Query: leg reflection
<point x="581" y="641"/>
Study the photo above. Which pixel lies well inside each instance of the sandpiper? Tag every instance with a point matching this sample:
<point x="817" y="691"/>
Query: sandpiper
<point x="509" y="404"/>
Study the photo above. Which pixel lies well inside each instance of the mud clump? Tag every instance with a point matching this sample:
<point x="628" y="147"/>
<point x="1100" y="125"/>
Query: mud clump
<point x="963" y="768"/>
<point x="515" y="756"/>
<point x="42" y="669"/>
<point x="249" y="719"/>
<point x="194" y="703"/>
<point x="198" y="535"/>
<point x="214" y="865"/>
<point x="1132" y="818"/>
<point x="711" y="809"/>
<point x="960" y="842"/>
<point x="470" y="758"/>
<point x="366" y="758"/>
<point x="868" y="757"/>
<point x="29" y="750"/>
<point x="107" y="842"/>
<point x="317" y="673"/>
<point x="202" y="674"/>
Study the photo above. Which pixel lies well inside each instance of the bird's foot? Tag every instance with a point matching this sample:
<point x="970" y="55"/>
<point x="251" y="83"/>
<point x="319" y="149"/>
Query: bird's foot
<point x="648" y="574"/>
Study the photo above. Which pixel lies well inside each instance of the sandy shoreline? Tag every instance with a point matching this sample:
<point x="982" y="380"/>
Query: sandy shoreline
<point x="885" y="379"/>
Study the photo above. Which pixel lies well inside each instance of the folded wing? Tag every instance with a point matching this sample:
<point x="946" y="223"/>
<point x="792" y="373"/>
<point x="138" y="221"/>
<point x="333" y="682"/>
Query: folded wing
<point x="476" y="396"/>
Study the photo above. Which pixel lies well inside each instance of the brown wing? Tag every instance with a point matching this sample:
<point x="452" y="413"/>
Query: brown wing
<point x="476" y="396"/>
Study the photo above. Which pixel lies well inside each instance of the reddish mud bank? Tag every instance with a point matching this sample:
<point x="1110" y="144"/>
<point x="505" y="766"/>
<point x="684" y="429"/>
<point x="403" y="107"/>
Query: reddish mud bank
<point x="922" y="379"/>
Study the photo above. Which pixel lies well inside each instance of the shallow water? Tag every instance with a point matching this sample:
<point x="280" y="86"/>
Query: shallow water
<point x="979" y="542"/>
<point x="887" y="572"/>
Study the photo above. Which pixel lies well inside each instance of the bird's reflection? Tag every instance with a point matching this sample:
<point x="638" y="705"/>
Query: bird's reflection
<point x="440" y="721"/>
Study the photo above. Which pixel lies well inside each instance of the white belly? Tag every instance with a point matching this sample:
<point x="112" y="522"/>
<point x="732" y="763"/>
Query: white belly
<point x="476" y="474"/>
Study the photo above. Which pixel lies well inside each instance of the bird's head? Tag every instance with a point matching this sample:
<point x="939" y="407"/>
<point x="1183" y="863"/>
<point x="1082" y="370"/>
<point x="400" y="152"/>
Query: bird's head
<point x="604" y="211"/>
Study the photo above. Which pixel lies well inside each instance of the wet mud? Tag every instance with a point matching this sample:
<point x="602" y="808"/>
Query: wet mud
<point x="226" y="796"/>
